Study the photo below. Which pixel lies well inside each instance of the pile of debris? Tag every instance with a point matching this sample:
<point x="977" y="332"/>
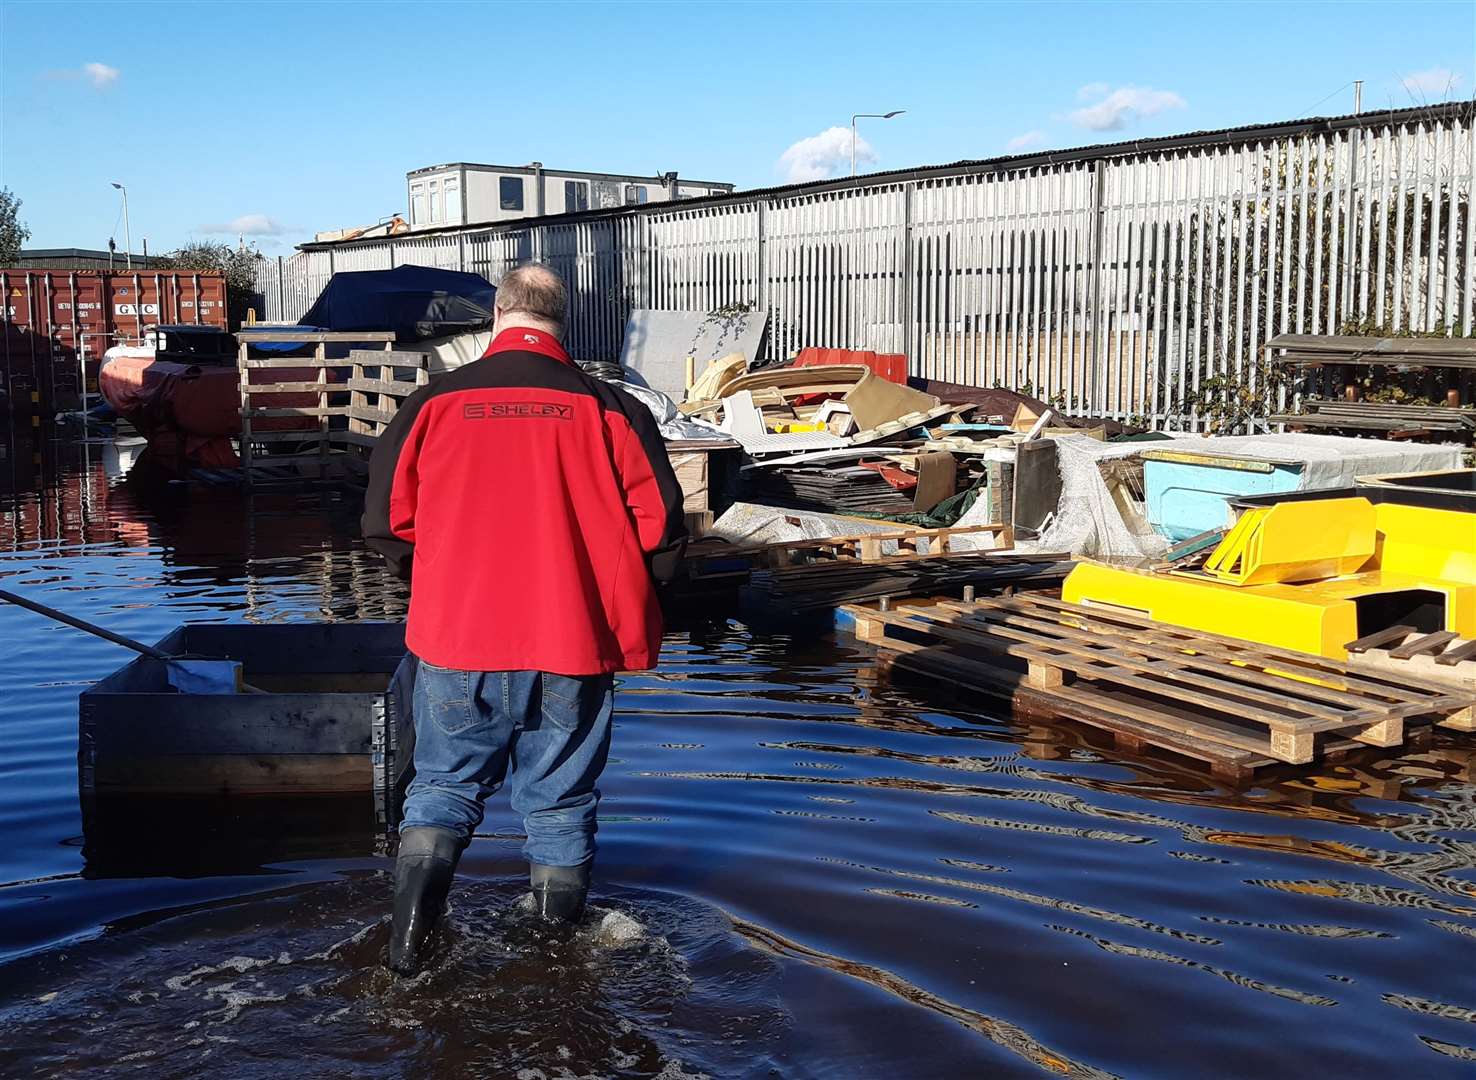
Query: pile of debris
<point x="829" y="434"/>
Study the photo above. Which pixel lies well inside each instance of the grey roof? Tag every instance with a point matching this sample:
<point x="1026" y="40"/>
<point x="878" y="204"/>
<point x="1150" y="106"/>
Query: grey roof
<point x="1012" y="162"/>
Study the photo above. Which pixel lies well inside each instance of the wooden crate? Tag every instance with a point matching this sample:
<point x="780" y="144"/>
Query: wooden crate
<point x="1232" y="704"/>
<point x="702" y="469"/>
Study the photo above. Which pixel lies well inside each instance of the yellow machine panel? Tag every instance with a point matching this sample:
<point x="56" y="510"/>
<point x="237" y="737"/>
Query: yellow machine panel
<point x="1296" y="541"/>
<point x="1433" y="543"/>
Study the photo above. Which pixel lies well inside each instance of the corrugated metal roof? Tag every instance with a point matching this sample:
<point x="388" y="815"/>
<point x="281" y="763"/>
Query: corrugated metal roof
<point x="1008" y="163"/>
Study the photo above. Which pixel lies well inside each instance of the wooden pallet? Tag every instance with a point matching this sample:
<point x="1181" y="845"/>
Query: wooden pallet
<point x="906" y="541"/>
<point x="822" y="586"/>
<point x="1232" y="704"/>
<point x="373" y="382"/>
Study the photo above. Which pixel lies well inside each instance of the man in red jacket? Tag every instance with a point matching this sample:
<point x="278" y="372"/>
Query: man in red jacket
<point x="535" y="505"/>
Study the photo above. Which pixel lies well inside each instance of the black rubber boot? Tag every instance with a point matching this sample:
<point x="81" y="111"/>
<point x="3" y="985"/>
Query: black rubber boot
<point x="559" y="892"/>
<point x="423" y="872"/>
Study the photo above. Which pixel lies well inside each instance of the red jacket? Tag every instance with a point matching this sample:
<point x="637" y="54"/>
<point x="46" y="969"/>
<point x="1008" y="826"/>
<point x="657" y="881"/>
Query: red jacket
<point x="537" y="504"/>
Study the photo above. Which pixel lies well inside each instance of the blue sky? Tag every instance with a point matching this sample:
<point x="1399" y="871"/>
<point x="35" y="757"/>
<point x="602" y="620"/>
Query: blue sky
<point x="281" y="119"/>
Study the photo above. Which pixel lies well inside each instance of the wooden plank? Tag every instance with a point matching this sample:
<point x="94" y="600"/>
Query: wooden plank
<point x="1427" y="643"/>
<point x="1379" y="639"/>
<point x="250" y="334"/>
<point x="314" y="411"/>
<point x="294" y="362"/>
<point x="382" y="386"/>
<point x="1465" y="651"/>
<point x="396" y="358"/>
<point x="286" y="388"/>
<point x="369" y="414"/>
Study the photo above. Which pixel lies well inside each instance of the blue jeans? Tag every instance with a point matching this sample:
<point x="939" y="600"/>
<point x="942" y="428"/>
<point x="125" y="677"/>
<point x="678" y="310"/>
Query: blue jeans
<point x="551" y="731"/>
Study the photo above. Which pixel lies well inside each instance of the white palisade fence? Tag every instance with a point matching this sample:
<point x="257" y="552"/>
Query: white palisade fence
<point x="1134" y="281"/>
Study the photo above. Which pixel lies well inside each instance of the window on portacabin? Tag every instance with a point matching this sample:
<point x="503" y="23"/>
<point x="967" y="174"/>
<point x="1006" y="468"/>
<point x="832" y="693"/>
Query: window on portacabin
<point x="510" y="193"/>
<point x="417" y="204"/>
<point x="635" y="194"/>
<point x="576" y="196"/>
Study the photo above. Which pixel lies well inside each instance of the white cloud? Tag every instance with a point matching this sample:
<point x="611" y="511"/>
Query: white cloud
<point x="1092" y="90"/>
<point x="248" y="225"/>
<point x="1026" y="141"/>
<point x="1122" y="106"/>
<point x="823" y="155"/>
<point x="100" y="75"/>
<point x="1433" y="84"/>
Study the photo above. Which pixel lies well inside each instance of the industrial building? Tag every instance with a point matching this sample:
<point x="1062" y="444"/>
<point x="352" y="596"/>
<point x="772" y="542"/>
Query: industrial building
<point x="462" y="193"/>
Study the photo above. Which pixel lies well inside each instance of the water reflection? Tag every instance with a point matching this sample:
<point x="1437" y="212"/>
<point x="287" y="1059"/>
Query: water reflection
<point x="840" y="873"/>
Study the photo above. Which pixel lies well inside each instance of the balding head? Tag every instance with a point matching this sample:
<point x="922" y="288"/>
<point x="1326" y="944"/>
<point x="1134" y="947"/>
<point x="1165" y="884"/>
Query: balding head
<point x="532" y="296"/>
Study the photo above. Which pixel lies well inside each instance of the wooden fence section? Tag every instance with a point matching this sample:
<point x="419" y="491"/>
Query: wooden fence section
<point x="1233" y="704"/>
<point x="364" y="389"/>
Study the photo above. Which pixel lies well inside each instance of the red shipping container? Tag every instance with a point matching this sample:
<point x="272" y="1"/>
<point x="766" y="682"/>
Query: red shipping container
<point x="52" y="316"/>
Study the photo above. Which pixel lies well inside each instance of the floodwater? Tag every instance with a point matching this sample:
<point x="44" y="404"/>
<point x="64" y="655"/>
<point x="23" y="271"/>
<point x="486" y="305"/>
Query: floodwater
<point x="807" y="870"/>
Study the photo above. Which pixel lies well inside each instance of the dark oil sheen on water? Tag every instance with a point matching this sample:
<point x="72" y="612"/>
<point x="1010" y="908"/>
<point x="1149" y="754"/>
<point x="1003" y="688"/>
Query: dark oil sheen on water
<point x="807" y="870"/>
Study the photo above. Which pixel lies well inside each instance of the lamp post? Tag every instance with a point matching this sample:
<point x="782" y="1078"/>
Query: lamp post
<point x="127" y="236"/>
<point x="854" y="118"/>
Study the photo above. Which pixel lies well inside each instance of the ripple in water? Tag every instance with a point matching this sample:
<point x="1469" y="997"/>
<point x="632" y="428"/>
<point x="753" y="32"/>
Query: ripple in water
<point x="647" y="986"/>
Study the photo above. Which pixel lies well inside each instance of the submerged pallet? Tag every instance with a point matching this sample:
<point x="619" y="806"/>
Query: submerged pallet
<point x="1232" y="704"/>
<point x="797" y="590"/>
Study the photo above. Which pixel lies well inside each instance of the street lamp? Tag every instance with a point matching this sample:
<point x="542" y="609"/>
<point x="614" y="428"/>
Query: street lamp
<point x="128" y="238"/>
<point x="854" y="118"/>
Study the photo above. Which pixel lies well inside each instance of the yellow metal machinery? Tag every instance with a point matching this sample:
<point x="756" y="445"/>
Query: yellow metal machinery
<point x="1295" y="541"/>
<point x="1309" y="574"/>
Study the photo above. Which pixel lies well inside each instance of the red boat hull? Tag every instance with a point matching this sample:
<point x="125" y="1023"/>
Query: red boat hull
<point x="189" y="412"/>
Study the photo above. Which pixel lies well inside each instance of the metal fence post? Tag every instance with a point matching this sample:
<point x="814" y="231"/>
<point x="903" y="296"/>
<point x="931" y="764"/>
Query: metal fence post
<point x="909" y="339"/>
<point x="761" y="291"/>
<point x="1098" y="317"/>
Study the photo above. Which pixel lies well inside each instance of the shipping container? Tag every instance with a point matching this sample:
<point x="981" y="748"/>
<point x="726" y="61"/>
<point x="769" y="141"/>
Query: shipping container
<point x="59" y="322"/>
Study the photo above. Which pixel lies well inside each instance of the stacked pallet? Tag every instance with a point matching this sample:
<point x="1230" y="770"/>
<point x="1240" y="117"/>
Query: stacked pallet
<point x="1233" y="704"/>
<point x="798" y="590"/>
<point x="1385" y="418"/>
<point x="713" y="566"/>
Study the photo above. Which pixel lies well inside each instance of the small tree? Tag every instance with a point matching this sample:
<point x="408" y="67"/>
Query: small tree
<point x="237" y="264"/>
<point x="13" y="234"/>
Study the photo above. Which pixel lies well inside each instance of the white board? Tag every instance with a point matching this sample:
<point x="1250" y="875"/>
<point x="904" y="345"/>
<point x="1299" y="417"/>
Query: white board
<point x="657" y="343"/>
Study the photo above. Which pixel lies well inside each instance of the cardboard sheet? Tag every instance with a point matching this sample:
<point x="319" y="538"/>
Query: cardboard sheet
<point x="874" y="401"/>
<point x="937" y="478"/>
